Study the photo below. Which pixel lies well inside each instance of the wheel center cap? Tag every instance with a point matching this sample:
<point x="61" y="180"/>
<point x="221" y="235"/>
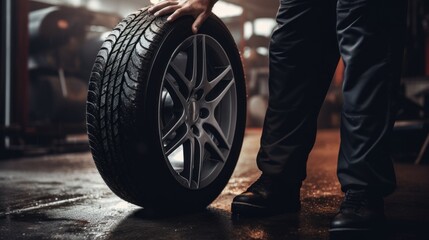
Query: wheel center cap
<point x="193" y="111"/>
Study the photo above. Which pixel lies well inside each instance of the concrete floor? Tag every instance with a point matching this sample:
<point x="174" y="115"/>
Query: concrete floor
<point x="63" y="197"/>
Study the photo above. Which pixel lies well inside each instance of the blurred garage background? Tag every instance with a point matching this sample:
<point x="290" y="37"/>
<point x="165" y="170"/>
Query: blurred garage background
<point x="48" y="47"/>
<point x="51" y="189"/>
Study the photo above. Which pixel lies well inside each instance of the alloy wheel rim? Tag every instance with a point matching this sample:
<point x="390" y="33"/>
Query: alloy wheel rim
<point x="197" y="111"/>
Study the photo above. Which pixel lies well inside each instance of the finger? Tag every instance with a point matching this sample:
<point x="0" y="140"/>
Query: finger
<point x="199" y="21"/>
<point x="161" y="5"/>
<point x="178" y="13"/>
<point x="167" y="10"/>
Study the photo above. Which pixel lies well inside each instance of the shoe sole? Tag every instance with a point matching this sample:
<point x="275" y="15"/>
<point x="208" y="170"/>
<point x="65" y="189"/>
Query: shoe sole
<point x="356" y="233"/>
<point x="350" y="230"/>
<point x="247" y="209"/>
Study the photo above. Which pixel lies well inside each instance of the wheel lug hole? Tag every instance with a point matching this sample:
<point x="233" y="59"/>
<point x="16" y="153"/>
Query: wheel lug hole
<point x="204" y="113"/>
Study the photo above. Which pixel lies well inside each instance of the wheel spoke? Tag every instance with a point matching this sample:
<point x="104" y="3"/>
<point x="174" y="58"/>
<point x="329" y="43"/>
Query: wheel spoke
<point x="194" y="61"/>
<point x="220" y="136"/>
<point x="179" y="140"/>
<point x="175" y="71"/>
<point x="203" y="59"/>
<point x="212" y="84"/>
<point x="174" y="90"/>
<point x="200" y="158"/>
<point x="200" y="62"/>
<point x="171" y="128"/>
<point x="190" y="153"/>
<point x="221" y="95"/>
<point x="209" y="140"/>
<point x="194" y="157"/>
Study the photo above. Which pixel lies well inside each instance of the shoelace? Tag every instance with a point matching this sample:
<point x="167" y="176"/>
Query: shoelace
<point x="354" y="200"/>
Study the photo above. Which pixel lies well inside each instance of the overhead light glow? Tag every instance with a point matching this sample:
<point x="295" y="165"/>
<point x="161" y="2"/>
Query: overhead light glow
<point x="94" y="5"/>
<point x="264" y="26"/>
<point x="224" y="10"/>
<point x="62" y="24"/>
<point x="262" y="50"/>
<point x="248" y="29"/>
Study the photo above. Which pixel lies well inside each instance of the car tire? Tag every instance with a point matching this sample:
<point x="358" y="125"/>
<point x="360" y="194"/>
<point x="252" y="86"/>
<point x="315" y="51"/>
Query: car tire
<point x="166" y="111"/>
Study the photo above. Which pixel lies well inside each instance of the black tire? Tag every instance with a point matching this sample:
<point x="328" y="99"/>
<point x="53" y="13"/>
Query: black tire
<point x="124" y="116"/>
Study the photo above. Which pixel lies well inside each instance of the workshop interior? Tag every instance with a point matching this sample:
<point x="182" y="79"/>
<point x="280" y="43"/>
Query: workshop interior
<point x="48" y="49"/>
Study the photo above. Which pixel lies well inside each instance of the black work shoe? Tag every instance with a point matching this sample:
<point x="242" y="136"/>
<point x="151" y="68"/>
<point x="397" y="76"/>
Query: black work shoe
<point x="359" y="212"/>
<point x="267" y="196"/>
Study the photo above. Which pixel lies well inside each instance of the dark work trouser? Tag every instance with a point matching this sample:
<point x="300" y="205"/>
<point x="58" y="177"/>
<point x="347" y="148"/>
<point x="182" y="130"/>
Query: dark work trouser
<point x="304" y="52"/>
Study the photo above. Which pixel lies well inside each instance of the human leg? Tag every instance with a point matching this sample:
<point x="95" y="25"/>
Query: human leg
<point x="303" y="58"/>
<point x="370" y="35"/>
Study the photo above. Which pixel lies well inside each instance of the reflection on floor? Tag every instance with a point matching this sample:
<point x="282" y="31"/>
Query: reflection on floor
<point x="63" y="197"/>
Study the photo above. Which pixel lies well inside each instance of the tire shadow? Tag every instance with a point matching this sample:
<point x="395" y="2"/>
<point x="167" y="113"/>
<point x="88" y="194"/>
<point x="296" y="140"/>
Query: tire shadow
<point x="147" y="224"/>
<point x="214" y="223"/>
<point x="312" y="222"/>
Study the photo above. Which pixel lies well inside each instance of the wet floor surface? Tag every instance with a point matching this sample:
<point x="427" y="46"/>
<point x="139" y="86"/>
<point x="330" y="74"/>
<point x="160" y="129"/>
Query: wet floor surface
<point x="63" y="197"/>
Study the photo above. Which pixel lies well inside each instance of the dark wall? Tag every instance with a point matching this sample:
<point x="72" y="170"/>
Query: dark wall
<point x="15" y="64"/>
<point x="2" y="61"/>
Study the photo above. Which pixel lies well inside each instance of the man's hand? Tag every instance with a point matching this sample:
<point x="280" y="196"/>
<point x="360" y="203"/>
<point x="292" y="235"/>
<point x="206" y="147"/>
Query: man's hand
<point x="200" y="9"/>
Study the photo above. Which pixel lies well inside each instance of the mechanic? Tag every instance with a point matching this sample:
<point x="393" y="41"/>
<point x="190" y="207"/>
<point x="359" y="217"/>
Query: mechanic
<point x="305" y="48"/>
